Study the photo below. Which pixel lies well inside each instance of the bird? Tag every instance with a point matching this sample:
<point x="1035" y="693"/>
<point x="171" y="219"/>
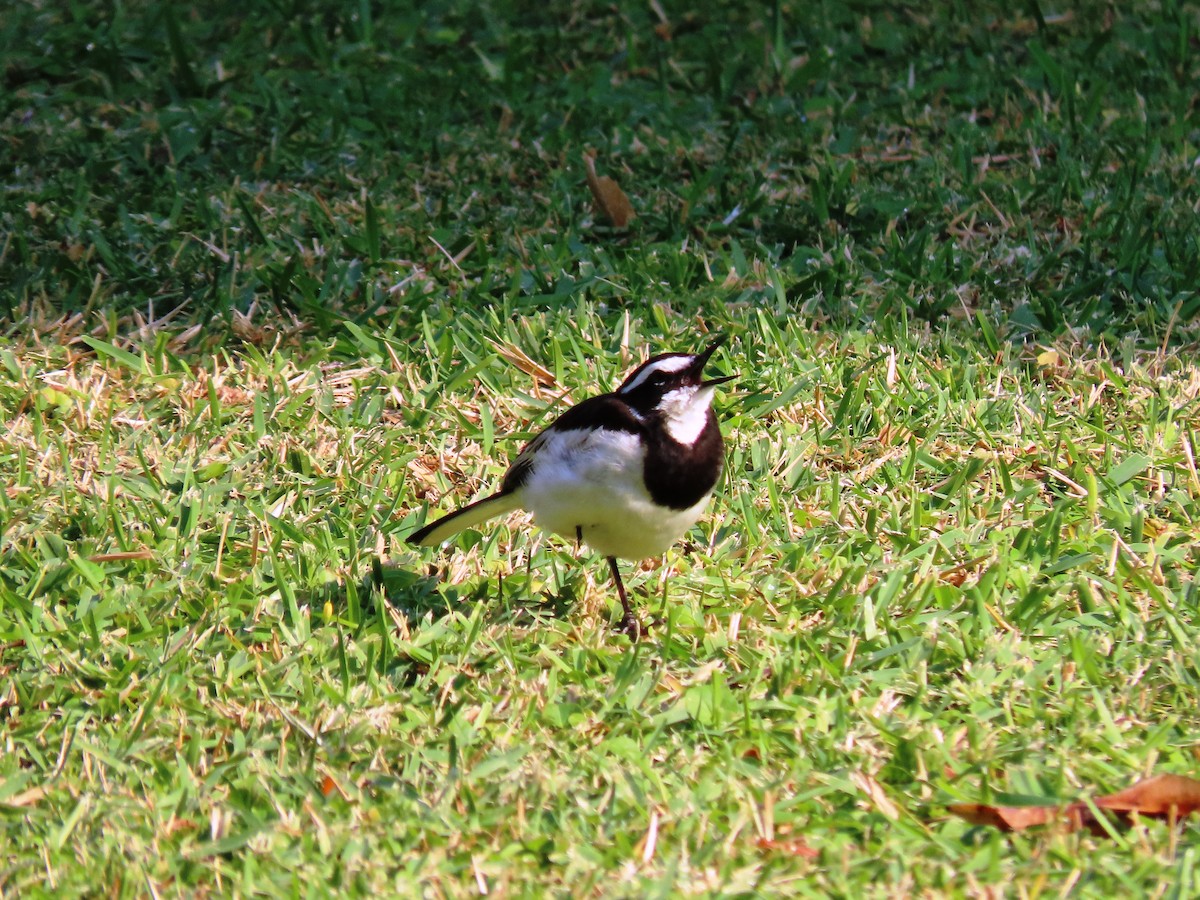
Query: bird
<point x="627" y="472"/>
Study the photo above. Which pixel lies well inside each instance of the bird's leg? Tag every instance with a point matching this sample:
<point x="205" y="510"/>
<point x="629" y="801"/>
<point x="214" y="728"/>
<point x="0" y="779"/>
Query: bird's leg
<point x="578" y="536"/>
<point x="629" y="623"/>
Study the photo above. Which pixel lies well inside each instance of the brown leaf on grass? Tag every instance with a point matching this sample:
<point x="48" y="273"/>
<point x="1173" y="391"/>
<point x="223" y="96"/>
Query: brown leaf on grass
<point x="610" y="199"/>
<point x="328" y="786"/>
<point x="790" y="846"/>
<point x="175" y="825"/>
<point x="1006" y="818"/>
<point x="1162" y="797"/>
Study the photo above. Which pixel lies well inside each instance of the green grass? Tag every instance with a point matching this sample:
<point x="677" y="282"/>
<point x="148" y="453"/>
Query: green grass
<point x="265" y="281"/>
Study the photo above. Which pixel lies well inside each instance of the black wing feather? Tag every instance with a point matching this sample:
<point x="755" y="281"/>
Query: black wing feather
<point x="606" y="411"/>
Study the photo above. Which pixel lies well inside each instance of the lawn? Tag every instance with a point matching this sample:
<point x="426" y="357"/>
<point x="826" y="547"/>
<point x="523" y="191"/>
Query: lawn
<point x="276" y="284"/>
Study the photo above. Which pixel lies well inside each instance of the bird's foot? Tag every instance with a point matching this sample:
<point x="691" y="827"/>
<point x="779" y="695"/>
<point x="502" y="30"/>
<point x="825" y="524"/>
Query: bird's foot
<point x="631" y="627"/>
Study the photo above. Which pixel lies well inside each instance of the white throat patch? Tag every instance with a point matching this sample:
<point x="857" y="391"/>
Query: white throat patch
<point x="685" y="412"/>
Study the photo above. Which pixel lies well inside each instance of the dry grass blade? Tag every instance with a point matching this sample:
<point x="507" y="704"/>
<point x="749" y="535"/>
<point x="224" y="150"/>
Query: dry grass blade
<point x="122" y="556"/>
<point x="787" y="846"/>
<point x="24" y="798"/>
<point x="517" y="358"/>
<point x="876" y="794"/>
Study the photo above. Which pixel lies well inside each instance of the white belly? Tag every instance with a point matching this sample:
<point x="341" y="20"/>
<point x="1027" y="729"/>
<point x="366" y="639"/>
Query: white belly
<point x="593" y="480"/>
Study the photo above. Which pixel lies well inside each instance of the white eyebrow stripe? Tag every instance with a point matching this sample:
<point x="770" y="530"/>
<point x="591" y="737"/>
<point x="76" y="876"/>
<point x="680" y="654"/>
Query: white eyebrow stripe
<point x="670" y="364"/>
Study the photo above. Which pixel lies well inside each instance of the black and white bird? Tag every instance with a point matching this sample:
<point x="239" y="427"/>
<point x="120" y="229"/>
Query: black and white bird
<point x="626" y="473"/>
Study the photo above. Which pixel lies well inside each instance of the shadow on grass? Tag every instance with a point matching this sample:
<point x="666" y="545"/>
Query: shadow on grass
<point x="423" y="596"/>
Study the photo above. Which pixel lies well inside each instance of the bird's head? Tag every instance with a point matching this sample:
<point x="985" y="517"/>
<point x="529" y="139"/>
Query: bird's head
<point x="673" y="386"/>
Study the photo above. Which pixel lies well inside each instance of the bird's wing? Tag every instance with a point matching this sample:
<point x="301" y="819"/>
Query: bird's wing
<point x="606" y="411"/>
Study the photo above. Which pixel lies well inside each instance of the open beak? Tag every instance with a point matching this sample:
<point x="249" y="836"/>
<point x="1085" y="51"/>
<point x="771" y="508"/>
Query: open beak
<point x="702" y="359"/>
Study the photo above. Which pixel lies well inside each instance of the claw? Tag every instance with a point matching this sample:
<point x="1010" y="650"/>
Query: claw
<point x="631" y="628"/>
<point x="629" y="624"/>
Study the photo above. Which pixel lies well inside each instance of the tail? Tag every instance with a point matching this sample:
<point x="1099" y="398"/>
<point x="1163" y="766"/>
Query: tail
<point x="446" y="527"/>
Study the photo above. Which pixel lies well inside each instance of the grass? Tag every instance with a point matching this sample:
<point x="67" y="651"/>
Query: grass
<point x="276" y="282"/>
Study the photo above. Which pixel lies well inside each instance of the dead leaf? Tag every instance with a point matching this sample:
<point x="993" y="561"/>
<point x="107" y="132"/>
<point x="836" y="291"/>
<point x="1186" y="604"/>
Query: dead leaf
<point x="792" y="847"/>
<point x="328" y="785"/>
<point x="1006" y="818"/>
<point x="610" y="199"/>
<point x="1048" y="359"/>
<point x="175" y="825"/>
<point x="1162" y="797"/>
